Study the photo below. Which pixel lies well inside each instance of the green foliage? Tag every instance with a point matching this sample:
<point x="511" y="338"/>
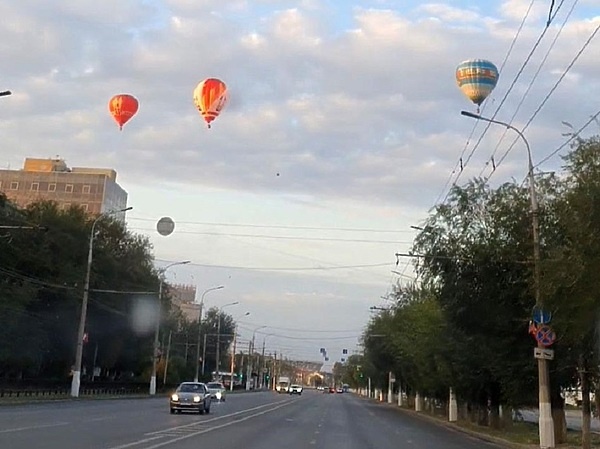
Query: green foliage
<point x="465" y="324"/>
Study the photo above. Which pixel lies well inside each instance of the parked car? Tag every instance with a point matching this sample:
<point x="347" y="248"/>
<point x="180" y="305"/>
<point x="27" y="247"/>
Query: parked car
<point x="340" y="390"/>
<point x="217" y="391"/>
<point x="190" y="396"/>
<point x="296" y="389"/>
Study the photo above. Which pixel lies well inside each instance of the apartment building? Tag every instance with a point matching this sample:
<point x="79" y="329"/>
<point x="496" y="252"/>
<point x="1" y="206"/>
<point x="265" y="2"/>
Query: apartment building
<point x="94" y="189"/>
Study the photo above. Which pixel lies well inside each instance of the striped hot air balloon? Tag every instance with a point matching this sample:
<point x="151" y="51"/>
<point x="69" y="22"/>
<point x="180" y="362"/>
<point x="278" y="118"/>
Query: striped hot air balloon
<point x="210" y="97"/>
<point x="477" y="79"/>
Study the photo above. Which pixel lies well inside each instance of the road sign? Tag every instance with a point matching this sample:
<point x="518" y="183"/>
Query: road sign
<point x="543" y="353"/>
<point x="545" y="335"/>
<point x="541" y="316"/>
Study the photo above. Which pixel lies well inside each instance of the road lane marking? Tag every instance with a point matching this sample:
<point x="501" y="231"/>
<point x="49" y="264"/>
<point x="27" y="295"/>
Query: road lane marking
<point x="136" y="443"/>
<point x="216" y="418"/>
<point x="220" y="426"/>
<point x="41" y="426"/>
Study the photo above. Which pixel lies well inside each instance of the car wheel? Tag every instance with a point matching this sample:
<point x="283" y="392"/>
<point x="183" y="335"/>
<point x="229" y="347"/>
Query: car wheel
<point x="207" y="410"/>
<point x="172" y="411"/>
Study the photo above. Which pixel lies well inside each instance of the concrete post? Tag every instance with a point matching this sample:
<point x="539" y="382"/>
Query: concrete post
<point x="453" y="407"/>
<point x="418" y="402"/>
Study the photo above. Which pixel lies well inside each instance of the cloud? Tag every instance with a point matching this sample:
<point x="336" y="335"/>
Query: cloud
<point x="347" y="108"/>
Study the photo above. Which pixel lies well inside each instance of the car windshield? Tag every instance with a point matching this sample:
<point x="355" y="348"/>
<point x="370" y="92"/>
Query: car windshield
<point x="190" y="388"/>
<point x="214" y="385"/>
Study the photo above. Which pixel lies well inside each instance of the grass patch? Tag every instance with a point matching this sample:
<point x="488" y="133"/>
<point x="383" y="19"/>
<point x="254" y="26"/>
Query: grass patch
<point x="524" y="433"/>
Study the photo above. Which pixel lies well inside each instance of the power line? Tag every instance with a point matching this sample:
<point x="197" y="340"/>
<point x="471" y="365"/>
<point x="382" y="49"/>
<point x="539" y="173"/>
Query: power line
<point x="282" y="237"/>
<point x="524" y="96"/>
<point x="552" y="90"/>
<point x="568" y="141"/>
<point x="476" y="124"/>
<point x="232" y="267"/>
<point x="512" y="85"/>
<point x="249" y="225"/>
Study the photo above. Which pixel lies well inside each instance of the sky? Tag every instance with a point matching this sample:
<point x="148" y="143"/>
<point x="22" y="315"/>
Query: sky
<point x="343" y="130"/>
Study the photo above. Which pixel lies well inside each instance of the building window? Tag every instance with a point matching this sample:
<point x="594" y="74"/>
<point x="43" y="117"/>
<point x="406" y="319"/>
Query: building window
<point x="51" y="187"/>
<point x="14" y="185"/>
<point x="86" y="189"/>
<point x="35" y="186"/>
<point x="84" y="207"/>
<point x="69" y="188"/>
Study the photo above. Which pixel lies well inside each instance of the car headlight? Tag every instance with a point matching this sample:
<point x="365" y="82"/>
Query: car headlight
<point x="196" y="398"/>
<point x="218" y="395"/>
<point x="175" y="398"/>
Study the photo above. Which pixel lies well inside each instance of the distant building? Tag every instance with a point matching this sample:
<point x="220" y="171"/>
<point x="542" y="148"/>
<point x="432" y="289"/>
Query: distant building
<point x="184" y="297"/>
<point x="94" y="189"/>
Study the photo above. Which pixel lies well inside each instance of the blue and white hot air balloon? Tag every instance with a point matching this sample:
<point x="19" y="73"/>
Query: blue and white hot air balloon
<point x="477" y="79"/>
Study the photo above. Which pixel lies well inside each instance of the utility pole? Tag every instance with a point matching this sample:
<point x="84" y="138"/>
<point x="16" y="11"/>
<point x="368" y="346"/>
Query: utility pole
<point x="203" y="355"/>
<point x="249" y="366"/>
<point x="233" y="358"/>
<point x="167" y="359"/>
<point x="264" y="367"/>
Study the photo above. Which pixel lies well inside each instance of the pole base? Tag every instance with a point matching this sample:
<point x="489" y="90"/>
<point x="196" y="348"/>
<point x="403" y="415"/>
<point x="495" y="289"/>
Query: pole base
<point x="546" y="425"/>
<point x="152" y="385"/>
<point x="75" y="383"/>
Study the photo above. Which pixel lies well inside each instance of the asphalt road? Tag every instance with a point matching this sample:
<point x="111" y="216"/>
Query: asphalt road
<point x="249" y="421"/>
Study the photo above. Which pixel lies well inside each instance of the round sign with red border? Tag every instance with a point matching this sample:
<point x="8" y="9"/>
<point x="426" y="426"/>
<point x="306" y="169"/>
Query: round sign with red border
<point x="545" y="336"/>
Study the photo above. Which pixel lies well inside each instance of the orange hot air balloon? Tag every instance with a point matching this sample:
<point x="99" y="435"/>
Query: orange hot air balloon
<point x="210" y="97"/>
<point x="122" y="107"/>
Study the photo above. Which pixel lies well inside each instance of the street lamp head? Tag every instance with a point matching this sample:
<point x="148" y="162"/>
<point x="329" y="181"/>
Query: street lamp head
<point x="5" y="93"/>
<point x="470" y="114"/>
<point x="126" y="209"/>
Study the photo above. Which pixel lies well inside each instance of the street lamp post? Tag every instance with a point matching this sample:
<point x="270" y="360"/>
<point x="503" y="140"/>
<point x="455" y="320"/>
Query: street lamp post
<point x="162" y="272"/>
<point x="200" y="332"/>
<point x="218" y="356"/>
<point x="251" y="355"/>
<point x="76" y="380"/>
<point x="546" y="424"/>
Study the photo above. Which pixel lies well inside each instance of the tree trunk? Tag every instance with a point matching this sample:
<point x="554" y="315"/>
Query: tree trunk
<point x="586" y="437"/>
<point x="507" y="417"/>
<point x="494" y="408"/>
<point x="558" y="416"/>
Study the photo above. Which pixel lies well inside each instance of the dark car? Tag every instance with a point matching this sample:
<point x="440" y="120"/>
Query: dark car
<point x="191" y="396"/>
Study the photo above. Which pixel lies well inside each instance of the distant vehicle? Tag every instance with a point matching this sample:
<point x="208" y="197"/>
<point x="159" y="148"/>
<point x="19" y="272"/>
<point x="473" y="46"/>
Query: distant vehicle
<point x="320" y="388"/>
<point x="340" y="390"/>
<point x="296" y="389"/>
<point x="346" y="388"/>
<point x="331" y="389"/>
<point x="283" y="384"/>
<point x="190" y="396"/>
<point x="217" y="391"/>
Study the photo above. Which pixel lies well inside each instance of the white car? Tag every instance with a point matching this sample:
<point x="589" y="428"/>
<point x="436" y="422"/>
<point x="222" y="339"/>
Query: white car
<point x="296" y="389"/>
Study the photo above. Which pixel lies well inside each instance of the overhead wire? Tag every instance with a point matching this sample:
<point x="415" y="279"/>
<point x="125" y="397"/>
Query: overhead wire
<point x="233" y="267"/>
<point x="574" y="136"/>
<point x="509" y="52"/>
<point x="253" y="225"/>
<point x="552" y="90"/>
<point x="530" y="85"/>
<point x="282" y="237"/>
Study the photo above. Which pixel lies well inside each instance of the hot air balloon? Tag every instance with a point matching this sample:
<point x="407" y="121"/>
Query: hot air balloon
<point x="122" y="107"/>
<point x="477" y="78"/>
<point x="210" y="97"/>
